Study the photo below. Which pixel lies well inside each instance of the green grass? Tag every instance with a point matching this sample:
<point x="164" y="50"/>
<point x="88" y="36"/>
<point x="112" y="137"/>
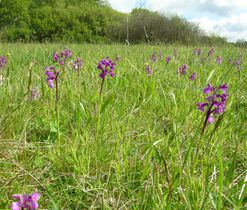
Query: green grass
<point x="143" y="150"/>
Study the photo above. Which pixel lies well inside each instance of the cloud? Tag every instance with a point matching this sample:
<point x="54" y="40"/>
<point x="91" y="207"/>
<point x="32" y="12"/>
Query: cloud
<point x="233" y="27"/>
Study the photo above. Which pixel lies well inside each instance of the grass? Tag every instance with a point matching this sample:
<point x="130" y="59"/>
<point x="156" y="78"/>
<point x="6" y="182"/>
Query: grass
<point x="142" y="150"/>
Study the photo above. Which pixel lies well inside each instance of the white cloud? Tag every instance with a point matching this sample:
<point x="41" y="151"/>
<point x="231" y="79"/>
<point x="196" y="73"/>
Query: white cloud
<point x="225" y="17"/>
<point x="233" y="27"/>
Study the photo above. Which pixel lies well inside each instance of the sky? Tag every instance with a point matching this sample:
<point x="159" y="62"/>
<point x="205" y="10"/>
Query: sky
<point x="227" y="18"/>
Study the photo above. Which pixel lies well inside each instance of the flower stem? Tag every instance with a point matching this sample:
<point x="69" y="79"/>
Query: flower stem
<point x="57" y="114"/>
<point x="99" y="107"/>
<point x="101" y="88"/>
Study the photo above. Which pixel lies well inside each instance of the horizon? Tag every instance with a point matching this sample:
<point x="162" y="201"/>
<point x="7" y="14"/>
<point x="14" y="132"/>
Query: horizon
<point x="221" y="17"/>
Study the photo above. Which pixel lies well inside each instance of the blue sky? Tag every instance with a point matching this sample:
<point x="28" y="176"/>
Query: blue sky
<point x="227" y="18"/>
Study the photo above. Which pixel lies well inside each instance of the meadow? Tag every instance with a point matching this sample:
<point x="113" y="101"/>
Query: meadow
<point x="140" y="143"/>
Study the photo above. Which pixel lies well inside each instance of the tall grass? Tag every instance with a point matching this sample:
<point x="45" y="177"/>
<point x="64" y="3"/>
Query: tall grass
<point x="147" y="152"/>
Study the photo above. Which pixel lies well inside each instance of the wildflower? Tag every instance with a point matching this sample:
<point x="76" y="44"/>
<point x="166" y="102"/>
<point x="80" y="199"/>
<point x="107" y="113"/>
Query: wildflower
<point x="3" y="62"/>
<point x="211" y="52"/>
<point x="193" y="76"/>
<point x="107" y="67"/>
<point x="51" y="75"/>
<point x="29" y="202"/>
<point x="208" y="89"/>
<point x="183" y="69"/>
<point x="238" y="64"/>
<point x="154" y="58"/>
<point x="56" y="57"/>
<point x="168" y="59"/>
<point x="216" y="101"/>
<point x="149" y="70"/>
<point x="197" y="52"/>
<point x="66" y="53"/>
<point x="201" y="106"/>
<point x="219" y="60"/>
<point x="34" y="94"/>
<point x="62" y="57"/>
<point x="77" y="64"/>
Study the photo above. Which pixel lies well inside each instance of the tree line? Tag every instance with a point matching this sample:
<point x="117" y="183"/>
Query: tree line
<point x="93" y="21"/>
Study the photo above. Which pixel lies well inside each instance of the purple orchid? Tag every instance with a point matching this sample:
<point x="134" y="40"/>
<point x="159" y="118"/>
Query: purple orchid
<point x="216" y="102"/>
<point x="51" y="76"/>
<point x="208" y="89"/>
<point x="211" y="52"/>
<point x="77" y="64"/>
<point x="149" y="70"/>
<point x="168" y="59"/>
<point x="183" y="69"/>
<point x="34" y="94"/>
<point x="62" y="57"/>
<point x="219" y="60"/>
<point x="107" y="67"/>
<point x="197" y="52"/>
<point x="238" y="64"/>
<point x="193" y="76"/>
<point x="3" y="62"/>
<point x="154" y="57"/>
<point x="29" y="202"/>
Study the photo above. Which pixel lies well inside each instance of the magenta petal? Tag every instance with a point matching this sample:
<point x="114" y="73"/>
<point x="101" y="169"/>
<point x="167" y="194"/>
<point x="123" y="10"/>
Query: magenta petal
<point x="224" y="88"/>
<point x="201" y="106"/>
<point x="210" y="119"/>
<point x="208" y="89"/>
<point x="34" y="205"/>
<point x="18" y="197"/>
<point x="35" y="196"/>
<point x="15" y="206"/>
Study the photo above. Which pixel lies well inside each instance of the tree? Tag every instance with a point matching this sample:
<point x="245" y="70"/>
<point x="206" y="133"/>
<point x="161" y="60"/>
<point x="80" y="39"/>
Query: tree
<point x="15" y="19"/>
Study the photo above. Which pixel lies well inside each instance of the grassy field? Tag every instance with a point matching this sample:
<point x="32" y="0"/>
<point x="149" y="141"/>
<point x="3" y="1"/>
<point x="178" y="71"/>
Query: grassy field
<point x="139" y="146"/>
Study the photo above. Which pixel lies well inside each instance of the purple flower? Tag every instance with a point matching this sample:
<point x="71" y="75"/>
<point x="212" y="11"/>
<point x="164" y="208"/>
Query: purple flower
<point x="3" y="62"/>
<point x="77" y="64"/>
<point x="34" y="94"/>
<point x="107" y="67"/>
<point x="224" y="88"/>
<point x="216" y="101"/>
<point x="210" y="119"/>
<point x="168" y="59"/>
<point x="66" y="53"/>
<point x="149" y="70"/>
<point x="208" y="89"/>
<point x="238" y="64"/>
<point x="26" y="201"/>
<point x="211" y="52"/>
<point x="62" y="57"/>
<point x="154" y="58"/>
<point x="219" y="60"/>
<point x="56" y="57"/>
<point x="51" y="75"/>
<point x="197" y="52"/>
<point x="183" y="69"/>
<point x="61" y="62"/>
<point x="201" y="106"/>
<point x="193" y="76"/>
